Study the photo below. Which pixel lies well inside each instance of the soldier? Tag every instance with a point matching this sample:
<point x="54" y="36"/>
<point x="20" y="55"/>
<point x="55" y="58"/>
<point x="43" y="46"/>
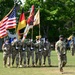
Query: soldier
<point x="23" y="53"/>
<point x="15" y="51"/>
<point x="38" y="51"/>
<point x="6" y="53"/>
<point x="30" y="51"/>
<point x="72" y="47"/>
<point x="47" y="52"/>
<point x="61" y="52"/>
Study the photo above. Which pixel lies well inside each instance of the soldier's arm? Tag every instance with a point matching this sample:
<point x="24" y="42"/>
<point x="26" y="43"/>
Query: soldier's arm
<point x="3" y="47"/>
<point x="57" y="48"/>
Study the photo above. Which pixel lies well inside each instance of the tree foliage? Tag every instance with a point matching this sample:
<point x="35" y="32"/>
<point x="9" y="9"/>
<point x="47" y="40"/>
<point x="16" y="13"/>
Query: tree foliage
<point x="57" y="16"/>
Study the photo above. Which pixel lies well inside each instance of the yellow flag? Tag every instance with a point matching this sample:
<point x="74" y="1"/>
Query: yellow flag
<point x="37" y="18"/>
<point x="21" y="25"/>
<point x="70" y="37"/>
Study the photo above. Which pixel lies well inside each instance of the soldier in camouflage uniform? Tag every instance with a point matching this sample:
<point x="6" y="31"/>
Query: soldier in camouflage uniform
<point x="30" y="51"/>
<point x="15" y="51"/>
<point x="60" y="48"/>
<point x="38" y="52"/>
<point x="72" y="47"/>
<point x="23" y="53"/>
<point x="6" y="53"/>
<point x="47" y="52"/>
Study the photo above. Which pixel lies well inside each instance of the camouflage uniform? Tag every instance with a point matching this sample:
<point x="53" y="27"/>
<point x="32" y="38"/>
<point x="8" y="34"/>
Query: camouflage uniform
<point x="15" y="53"/>
<point x="38" y="52"/>
<point x="47" y="52"/>
<point x="60" y="48"/>
<point x="23" y="54"/>
<point x="30" y="52"/>
<point x="72" y="47"/>
<point x="6" y="53"/>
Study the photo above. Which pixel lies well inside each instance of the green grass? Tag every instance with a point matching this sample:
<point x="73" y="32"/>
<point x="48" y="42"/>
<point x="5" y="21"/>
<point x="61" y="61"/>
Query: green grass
<point x="69" y="69"/>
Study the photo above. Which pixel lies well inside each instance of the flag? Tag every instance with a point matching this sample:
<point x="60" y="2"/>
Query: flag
<point x="8" y="22"/>
<point x="70" y="37"/>
<point x="3" y="31"/>
<point x="11" y="22"/>
<point x="37" y="18"/>
<point x="10" y="19"/>
<point x="21" y="25"/>
<point x="30" y="21"/>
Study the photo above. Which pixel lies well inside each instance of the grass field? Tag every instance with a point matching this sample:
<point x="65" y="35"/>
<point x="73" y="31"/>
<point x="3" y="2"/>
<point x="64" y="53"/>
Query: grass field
<point x="69" y="69"/>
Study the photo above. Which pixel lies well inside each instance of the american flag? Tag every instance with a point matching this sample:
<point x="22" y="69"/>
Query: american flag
<point x="11" y="19"/>
<point x="8" y="22"/>
<point x="3" y="31"/>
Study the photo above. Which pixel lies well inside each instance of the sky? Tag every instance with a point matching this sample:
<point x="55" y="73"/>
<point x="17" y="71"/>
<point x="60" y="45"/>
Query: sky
<point x="23" y="2"/>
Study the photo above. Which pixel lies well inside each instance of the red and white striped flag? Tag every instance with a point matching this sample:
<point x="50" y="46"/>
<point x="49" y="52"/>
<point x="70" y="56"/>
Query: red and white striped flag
<point x="30" y="21"/>
<point x="3" y="31"/>
<point x="8" y="22"/>
<point x="11" y="19"/>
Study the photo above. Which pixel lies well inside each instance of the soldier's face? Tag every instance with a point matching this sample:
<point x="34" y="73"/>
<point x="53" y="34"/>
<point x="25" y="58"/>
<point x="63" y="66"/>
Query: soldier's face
<point x="61" y="38"/>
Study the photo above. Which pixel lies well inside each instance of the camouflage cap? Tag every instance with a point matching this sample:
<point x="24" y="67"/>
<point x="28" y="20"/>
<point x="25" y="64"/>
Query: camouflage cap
<point x="60" y="36"/>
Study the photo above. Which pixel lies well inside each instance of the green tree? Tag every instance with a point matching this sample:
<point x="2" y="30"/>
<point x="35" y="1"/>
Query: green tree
<point x="5" y="6"/>
<point x="57" y="16"/>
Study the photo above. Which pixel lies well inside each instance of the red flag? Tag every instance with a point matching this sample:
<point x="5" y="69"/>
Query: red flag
<point x="30" y="21"/>
<point x="31" y="16"/>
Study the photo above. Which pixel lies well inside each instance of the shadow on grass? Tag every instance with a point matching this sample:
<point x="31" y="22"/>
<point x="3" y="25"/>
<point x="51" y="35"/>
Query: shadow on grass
<point x="36" y="67"/>
<point x="70" y="66"/>
<point x="68" y="73"/>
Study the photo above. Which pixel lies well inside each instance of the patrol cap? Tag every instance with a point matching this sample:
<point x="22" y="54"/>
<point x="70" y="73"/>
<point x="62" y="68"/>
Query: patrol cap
<point x="60" y="36"/>
<point x="38" y="37"/>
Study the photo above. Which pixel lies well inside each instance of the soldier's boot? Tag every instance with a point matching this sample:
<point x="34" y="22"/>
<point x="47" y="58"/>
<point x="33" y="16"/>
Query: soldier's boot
<point x="34" y="64"/>
<point x="50" y="65"/>
<point x="61" y="69"/>
<point x="25" y="65"/>
<point x="9" y="65"/>
<point x="44" y="64"/>
<point x="20" y="65"/>
<point x="16" y="65"/>
<point x="39" y="63"/>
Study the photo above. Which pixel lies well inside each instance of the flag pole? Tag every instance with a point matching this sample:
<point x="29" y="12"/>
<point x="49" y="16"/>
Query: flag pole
<point x="32" y="33"/>
<point x="39" y="29"/>
<point x="39" y="24"/>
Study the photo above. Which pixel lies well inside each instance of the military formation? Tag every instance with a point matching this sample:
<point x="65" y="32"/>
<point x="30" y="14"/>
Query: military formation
<point x="22" y="53"/>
